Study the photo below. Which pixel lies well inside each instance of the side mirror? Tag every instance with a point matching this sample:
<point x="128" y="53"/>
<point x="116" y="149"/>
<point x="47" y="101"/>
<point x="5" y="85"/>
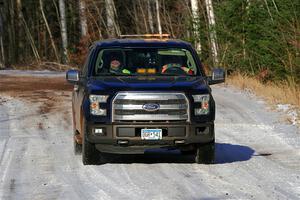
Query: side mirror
<point x="72" y="76"/>
<point x="218" y="76"/>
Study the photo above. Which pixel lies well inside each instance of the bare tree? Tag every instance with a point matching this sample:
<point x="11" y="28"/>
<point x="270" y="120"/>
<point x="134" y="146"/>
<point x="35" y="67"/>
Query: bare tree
<point x="97" y="19"/>
<point x="83" y="21"/>
<point x="2" y="56"/>
<point x="63" y="30"/>
<point x="158" y="17"/>
<point x="212" y="31"/>
<point x="19" y="28"/>
<point x="135" y="16"/>
<point x="22" y="21"/>
<point x="143" y="16"/>
<point x="48" y="29"/>
<point x="112" y="26"/>
<point x="150" y="15"/>
<point x="196" y="22"/>
<point x="31" y="40"/>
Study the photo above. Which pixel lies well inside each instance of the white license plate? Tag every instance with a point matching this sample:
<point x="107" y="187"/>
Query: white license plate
<point x="151" y="134"/>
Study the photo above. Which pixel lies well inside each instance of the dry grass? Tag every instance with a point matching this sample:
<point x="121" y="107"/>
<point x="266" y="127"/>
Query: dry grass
<point x="273" y="93"/>
<point x="281" y="93"/>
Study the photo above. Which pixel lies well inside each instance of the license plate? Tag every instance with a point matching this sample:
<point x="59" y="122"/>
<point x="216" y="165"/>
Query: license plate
<point x="151" y="134"/>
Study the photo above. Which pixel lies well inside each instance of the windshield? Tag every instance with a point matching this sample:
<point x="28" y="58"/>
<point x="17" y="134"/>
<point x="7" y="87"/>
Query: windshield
<point x="148" y="61"/>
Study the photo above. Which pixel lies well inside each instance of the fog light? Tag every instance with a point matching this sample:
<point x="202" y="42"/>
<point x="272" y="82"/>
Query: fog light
<point x="99" y="131"/>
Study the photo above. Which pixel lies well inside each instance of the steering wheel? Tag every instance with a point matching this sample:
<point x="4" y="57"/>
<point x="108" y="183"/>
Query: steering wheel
<point x="174" y="69"/>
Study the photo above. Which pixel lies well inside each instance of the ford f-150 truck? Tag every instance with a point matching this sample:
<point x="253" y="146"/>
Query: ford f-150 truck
<point x="138" y="94"/>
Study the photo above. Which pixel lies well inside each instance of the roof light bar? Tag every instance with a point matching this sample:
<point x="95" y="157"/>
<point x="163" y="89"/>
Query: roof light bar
<point x="148" y="36"/>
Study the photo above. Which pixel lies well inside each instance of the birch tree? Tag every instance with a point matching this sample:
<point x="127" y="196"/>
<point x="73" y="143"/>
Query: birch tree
<point x="158" y="17"/>
<point x="112" y="26"/>
<point x="196" y="22"/>
<point x="63" y="30"/>
<point x="212" y="31"/>
<point x="83" y="21"/>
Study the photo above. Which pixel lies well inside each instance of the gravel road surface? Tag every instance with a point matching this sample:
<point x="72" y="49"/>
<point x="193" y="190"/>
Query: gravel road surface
<point x="258" y="153"/>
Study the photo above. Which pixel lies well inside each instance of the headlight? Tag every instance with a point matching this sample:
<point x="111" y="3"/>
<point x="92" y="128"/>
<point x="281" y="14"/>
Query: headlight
<point x="95" y="101"/>
<point x="204" y="107"/>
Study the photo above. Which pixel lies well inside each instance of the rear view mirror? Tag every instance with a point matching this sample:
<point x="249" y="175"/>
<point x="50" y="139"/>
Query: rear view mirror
<point x="72" y="76"/>
<point x="218" y="76"/>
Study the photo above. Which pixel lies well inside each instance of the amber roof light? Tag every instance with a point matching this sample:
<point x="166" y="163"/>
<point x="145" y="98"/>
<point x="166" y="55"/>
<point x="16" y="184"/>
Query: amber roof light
<point x="146" y="36"/>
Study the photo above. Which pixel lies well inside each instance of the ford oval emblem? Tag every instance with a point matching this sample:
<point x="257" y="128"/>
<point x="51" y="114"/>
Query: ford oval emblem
<point x="151" y="107"/>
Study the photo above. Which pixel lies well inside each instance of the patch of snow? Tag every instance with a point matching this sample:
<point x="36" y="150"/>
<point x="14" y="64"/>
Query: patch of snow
<point x="290" y="111"/>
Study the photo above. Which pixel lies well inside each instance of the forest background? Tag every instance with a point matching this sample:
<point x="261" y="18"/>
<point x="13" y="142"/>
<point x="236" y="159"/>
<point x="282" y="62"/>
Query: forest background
<point x="259" y="39"/>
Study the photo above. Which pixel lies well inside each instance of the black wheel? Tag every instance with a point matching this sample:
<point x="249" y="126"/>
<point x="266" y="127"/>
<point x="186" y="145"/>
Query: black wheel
<point x="90" y="155"/>
<point x="77" y="147"/>
<point x="205" y="154"/>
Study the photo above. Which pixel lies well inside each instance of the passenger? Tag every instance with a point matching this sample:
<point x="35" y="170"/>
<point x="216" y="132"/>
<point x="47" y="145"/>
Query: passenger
<point x="186" y="70"/>
<point x="175" y="62"/>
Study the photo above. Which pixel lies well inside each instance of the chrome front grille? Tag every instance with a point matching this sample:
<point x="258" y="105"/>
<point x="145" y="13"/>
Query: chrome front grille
<point x="129" y="106"/>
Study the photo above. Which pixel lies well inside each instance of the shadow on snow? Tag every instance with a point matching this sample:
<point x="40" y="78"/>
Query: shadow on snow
<point x="225" y="153"/>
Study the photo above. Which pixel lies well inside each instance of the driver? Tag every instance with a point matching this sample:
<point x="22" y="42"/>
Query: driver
<point x="115" y="67"/>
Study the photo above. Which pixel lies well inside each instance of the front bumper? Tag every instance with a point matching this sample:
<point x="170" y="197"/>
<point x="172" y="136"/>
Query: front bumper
<point x="125" y="138"/>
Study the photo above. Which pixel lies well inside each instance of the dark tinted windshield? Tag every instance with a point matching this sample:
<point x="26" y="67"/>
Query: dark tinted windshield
<point x="148" y="61"/>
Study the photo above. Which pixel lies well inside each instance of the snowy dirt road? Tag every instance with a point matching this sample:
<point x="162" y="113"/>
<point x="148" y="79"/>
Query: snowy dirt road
<point x="258" y="153"/>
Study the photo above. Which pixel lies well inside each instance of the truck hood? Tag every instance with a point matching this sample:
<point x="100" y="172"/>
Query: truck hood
<point x="136" y="83"/>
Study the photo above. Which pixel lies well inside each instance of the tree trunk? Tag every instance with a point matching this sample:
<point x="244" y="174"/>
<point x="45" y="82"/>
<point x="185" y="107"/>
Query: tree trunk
<point x="11" y="56"/>
<point x="30" y="38"/>
<point x="135" y="16"/>
<point x="158" y="17"/>
<point x="63" y="30"/>
<point x="144" y="16"/>
<point x="96" y="21"/>
<point x="150" y="15"/>
<point x="110" y="18"/>
<point x="2" y="56"/>
<point x="117" y="27"/>
<point x="49" y="31"/>
<point x="83" y="21"/>
<point x="19" y="33"/>
<point x="212" y="31"/>
<point x="196" y="23"/>
<point x="2" y="59"/>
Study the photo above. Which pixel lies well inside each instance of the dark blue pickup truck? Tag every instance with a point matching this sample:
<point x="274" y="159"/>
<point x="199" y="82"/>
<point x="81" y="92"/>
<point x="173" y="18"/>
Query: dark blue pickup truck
<point x="137" y="94"/>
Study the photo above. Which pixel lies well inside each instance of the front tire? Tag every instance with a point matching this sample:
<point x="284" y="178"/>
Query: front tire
<point x="205" y="154"/>
<point x="90" y="155"/>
